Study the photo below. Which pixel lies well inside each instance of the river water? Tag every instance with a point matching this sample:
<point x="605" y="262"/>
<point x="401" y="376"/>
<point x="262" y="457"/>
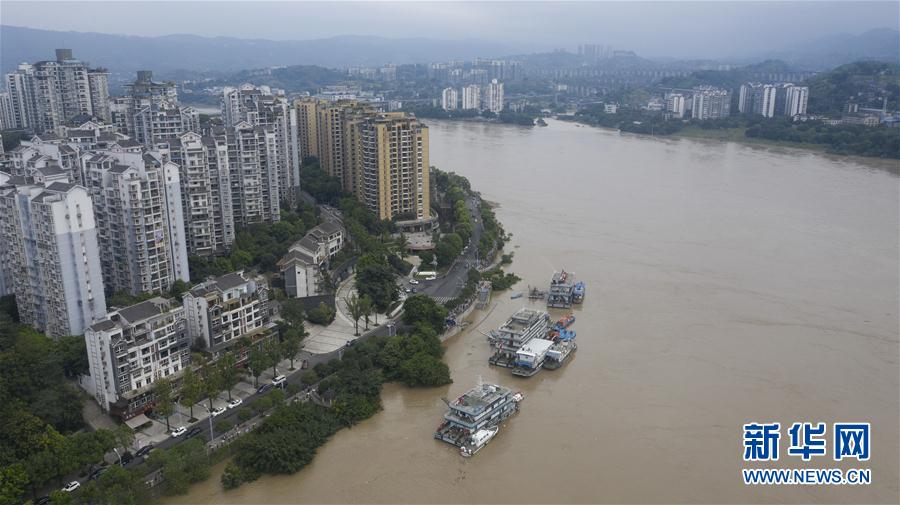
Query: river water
<point x="726" y="284"/>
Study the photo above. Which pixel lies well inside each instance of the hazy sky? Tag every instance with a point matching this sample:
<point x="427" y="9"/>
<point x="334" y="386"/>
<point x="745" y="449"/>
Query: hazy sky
<point x="667" y="28"/>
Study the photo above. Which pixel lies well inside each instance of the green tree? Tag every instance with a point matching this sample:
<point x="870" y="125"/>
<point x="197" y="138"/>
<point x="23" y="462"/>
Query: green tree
<point x="60" y="497"/>
<point x="164" y="404"/>
<point x="273" y="354"/>
<point x="375" y="279"/>
<point x="401" y="243"/>
<point x="423" y="309"/>
<point x="191" y="389"/>
<point x="368" y="310"/>
<point x="355" y="309"/>
<point x="257" y="362"/>
<point x="323" y="314"/>
<point x="212" y="382"/>
<point x="309" y="377"/>
<point x="72" y="354"/>
<point x="425" y="370"/>
<point x="292" y="311"/>
<point x="228" y="373"/>
<point x="13" y="484"/>
<point x="118" y="486"/>
<point x="291" y="338"/>
<point x="88" y="447"/>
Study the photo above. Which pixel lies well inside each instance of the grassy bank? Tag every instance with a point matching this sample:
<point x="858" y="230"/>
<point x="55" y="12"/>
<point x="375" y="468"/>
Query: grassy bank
<point x="739" y="135"/>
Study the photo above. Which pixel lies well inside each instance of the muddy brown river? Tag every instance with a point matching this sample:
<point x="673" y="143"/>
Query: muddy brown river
<point x="726" y="284"/>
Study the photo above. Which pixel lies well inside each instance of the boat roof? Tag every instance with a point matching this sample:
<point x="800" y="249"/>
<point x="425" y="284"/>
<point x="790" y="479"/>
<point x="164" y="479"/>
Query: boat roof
<point x="523" y="319"/>
<point x="535" y="346"/>
<point x="475" y="400"/>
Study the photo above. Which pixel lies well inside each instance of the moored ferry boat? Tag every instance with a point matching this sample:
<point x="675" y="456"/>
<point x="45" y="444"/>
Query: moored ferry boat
<point x="530" y="357"/>
<point x="559" y="353"/>
<point x="481" y="408"/>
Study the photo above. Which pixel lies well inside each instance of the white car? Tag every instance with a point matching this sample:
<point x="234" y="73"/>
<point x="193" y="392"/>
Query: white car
<point x="218" y="410"/>
<point x="177" y="432"/>
<point x="413" y="281"/>
<point x="278" y="380"/>
<point x="235" y="403"/>
<point x="72" y="486"/>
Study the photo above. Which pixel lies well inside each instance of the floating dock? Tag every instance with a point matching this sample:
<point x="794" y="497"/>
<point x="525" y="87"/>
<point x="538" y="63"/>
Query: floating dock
<point x="559" y="353"/>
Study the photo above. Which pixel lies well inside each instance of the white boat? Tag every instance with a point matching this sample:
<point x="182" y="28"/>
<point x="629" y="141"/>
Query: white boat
<point x="478" y="440"/>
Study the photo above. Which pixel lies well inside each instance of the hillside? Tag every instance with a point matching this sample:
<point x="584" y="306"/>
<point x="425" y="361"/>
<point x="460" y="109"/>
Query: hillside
<point x="125" y="54"/>
<point x="830" y="51"/>
<point x="867" y="82"/>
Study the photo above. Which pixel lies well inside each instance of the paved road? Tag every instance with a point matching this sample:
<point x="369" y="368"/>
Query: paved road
<point x="231" y="414"/>
<point x="448" y="286"/>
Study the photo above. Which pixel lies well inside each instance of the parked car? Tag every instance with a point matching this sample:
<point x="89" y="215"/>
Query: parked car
<point x="72" y="486"/>
<point x="235" y="403"/>
<point x="408" y="290"/>
<point x="196" y="430"/>
<point x="43" y="500"/>
<point x="278" y="380"/>
<point x="262" y="389"/>
<point x="218" y="410"/>
<point x="413" y="281"/>
<point x="143" y="451"/>
<point x="127" y="458"/>
<point x="97" y="473"/>
<point x="177" y="432"/>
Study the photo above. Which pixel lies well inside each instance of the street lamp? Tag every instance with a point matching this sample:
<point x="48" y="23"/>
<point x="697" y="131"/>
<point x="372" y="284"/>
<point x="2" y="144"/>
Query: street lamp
<point x="212" y="434"/>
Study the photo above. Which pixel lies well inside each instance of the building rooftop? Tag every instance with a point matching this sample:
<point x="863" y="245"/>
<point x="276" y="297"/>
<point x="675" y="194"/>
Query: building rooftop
<point x="144" y="310"/>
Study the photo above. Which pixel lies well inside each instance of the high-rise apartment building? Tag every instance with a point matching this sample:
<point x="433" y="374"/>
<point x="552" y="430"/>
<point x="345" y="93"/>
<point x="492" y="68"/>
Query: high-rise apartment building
<point x="255" y="159"/>
<point x="132" y="347"/>
<point x="138" y="208"/>
<point x="258" y="107"/>
<point x="206" y="186"/>
<point x="336" y="154"/>
<point x="756" y="98"/>
<point x="47" y="94"/>
<point x="49" y="239"/>
<point x="493" y="96"/>
<point x="149" y="112"/>
<point x="770" y="100"/>
<point x="471" y="97"/>
<point x="675" y="104"/>
<point x="449" y="99"/>
<point x="382" y="158"/>
<point x="710" y="103"/>
<point x="7" y="121"/>
<point x="394" y="166"/>
<point x="307" y="132"/>
<point x="796" y="100"/>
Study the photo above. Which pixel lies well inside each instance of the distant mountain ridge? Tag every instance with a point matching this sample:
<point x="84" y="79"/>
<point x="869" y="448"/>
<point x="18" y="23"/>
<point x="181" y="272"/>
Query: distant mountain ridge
<point x="882" y="44"/>
<point x="127" y="53"/>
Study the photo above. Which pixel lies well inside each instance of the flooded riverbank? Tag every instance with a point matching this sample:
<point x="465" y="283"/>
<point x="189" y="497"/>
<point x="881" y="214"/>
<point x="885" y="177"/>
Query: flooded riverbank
<point x="726" y="284"/>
